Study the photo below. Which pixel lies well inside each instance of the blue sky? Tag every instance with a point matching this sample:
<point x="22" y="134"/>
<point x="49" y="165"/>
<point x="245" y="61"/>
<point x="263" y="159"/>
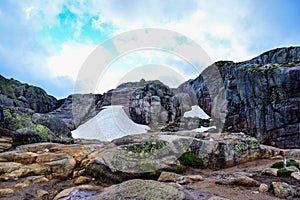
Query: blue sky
<point x="45" y="43"/>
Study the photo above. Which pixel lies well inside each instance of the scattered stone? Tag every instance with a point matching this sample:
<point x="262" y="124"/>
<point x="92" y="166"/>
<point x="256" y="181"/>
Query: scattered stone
<point x="82" y="180"/>
<point x="141" y="189"/>
<point x="78" y="173"/>
<point x="168" y="177"/>
<point x="279" y="157"/>
<point x="6" y="191"/>
<point x="22" y="184"/>
<point x="41" y="193"/>
<point x="292" y="169"/>
<point x="183" y="180"/>
<point x="296" y="175"/>
<point x="282" y="190"/>
<point x="263" y="188"/>
<point x="270" y="172"/>
<point x="236" y="179"/>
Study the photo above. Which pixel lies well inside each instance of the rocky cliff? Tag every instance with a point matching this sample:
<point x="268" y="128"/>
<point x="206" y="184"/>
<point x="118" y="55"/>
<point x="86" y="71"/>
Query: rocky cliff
<point x="26" y="118"/>
<point x="260" y="97"/>
<point x="16" y="94"/>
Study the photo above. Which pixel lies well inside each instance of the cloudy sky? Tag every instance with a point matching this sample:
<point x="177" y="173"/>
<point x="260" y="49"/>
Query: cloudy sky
<point x="46" y="43"/>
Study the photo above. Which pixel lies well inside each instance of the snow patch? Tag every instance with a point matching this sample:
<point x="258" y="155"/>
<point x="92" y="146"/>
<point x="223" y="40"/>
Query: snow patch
<point x="202" y="129"/>
<point x="109" y="124"/>
<point x="196" y="112"/>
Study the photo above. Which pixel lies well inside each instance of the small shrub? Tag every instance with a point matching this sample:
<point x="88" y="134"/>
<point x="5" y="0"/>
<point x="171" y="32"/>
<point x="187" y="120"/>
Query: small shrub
<point x="191" y="160"/>
<point x="180" y="169"/>
<point x="19" y="143"/>
<point x="277" y="165"/>
<point x="293" y="163"/>
<point x="96" y="173"/>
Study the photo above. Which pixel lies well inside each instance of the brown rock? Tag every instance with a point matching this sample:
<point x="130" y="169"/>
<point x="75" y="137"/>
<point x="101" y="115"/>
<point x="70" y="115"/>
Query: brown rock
<point x="78" y="152"/>
<point x="282" y="190"/>
<point x="24" y="158"/>
<point x="6" y="191"/>
<point x="60" y="168"/>
<point x="6" y="167"/>
<point x="50" y="157"/>
<point x="5" y="143"/>
<point x="183" y="180"/>
<point x="41" y="193"/>
<point x="263" y="188"/>
<point x="168" y="177"/>
<point x="22" y="184"/>
<point x="38" y="179"/>
<point x="236" y="179"/>
<point x="24" y="170"/>
<point x="81" y="180"/>
<point x="78" y="173"/>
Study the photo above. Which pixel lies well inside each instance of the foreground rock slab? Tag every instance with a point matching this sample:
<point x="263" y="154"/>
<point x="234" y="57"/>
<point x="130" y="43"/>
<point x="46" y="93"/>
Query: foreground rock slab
<point x="141" y="189"/>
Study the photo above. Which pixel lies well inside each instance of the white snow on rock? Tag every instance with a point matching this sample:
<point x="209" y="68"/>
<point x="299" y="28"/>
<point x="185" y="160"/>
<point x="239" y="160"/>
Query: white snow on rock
<point x="196" y="112"/>
<point x="202" y="129"/>
<point x="109" y="124"/>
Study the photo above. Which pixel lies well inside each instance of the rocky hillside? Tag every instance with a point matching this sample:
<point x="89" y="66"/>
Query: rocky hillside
<point x="260" y="97"/>
<point x="26" y="118"/>
<point x="16" y="94"/>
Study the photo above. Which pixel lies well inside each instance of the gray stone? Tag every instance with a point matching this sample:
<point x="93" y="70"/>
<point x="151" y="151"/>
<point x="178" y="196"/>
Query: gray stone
<point x="141" y="189"/>
<point x="282" y="190"/>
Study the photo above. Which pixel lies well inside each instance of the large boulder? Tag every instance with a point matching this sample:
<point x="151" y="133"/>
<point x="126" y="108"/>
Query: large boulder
<point x="141" y="189"/>
<point x="30" y="127"/>
<point x="260" y="97"/>
<point x="148" y="155"/>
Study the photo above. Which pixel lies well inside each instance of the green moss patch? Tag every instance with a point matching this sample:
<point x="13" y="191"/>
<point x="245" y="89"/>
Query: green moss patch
<point x="279" y="165"/>
<point x="95" y="172"/>
<point x="180" y="169"/>
<point x="283" y="172"/>
<point x="146" y="146"/>
<point x="190" y="159"/>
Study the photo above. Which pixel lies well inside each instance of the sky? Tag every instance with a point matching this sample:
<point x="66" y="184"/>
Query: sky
<point x="49" y="43"/>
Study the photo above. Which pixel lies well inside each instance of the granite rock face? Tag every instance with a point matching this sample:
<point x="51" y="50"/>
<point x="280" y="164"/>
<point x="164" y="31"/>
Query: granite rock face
<point x="29" y="127"/>
<point x="260" y="97"/>
<point x="16" y="94"/>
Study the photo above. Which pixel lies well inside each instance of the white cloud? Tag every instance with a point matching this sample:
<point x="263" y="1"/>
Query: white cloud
<point x="69" y="61"/>
<point x="98" y="23"/>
